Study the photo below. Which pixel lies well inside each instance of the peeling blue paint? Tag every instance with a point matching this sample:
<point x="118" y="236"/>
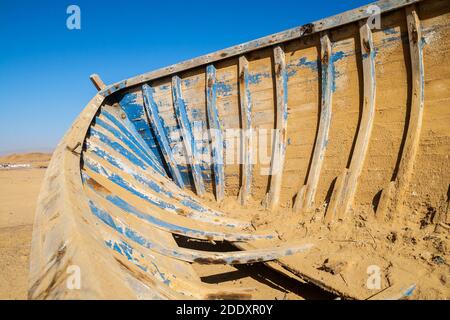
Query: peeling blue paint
<point x="137" y="151"/>
<point x="256" y="78"/>
<point x="136" y="113"/>
<point x="188" y="138"/>
<point x="161" y="136"/>
<point x="217" y="141"/>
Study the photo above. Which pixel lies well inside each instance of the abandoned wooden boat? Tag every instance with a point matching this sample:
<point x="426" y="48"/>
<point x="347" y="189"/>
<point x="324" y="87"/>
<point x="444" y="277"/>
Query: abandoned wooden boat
<point x="321" y="152"/>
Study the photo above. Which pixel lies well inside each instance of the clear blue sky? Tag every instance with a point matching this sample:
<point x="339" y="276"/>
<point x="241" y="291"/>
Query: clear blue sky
<point x="45" y="68"/>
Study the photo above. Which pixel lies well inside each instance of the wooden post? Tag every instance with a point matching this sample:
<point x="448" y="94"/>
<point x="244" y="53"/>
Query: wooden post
<point x="216" y="132"/>
<point x="98" y="83"/>
<point x="279" y="148"/>
<point x="344" y="193"/>
<point x="160" y="133"/>
<point x="392" y="197"/>
<point x="247" y="131"/>
<point x="306" y="195"/>
<point x="186" y="133"/>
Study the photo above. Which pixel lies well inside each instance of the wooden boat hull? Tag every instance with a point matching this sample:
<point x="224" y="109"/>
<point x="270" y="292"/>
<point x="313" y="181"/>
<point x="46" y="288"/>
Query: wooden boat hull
<point x="335" y="121"/>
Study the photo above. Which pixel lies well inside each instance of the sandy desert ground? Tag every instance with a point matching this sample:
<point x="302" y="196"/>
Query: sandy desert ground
<point x="19" y="189"/>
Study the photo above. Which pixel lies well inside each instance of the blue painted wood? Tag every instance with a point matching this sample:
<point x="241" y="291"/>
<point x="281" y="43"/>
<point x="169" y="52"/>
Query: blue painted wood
<point x="129" y="130"/>
<point x="247" y="131"/>
<point x="216" y="132"/>
<point x="196" y="210"/>
<point x="135" y="112"/>
<point x="280" y="142"/>
<point x="127" y="142"/>
<point x="161" y="137"/>
<point x="152" y="220"/>
<point x="92" y="165"/>
<point x="306" y="195"/>
<point x="186" y="132"/>
<point x="120" y="149"/>
<point x="189" y="255"/>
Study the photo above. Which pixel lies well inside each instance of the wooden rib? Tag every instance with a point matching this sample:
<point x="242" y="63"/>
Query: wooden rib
<point x="153" y="182"/>
<point x="344" y="193"/>
<point x="216" y="132"/>
<point x="279" y="149"/>
<point x="392" y="197"/>
<point x="97" y="81"/>
<point x="247" y="131"/>
<point x="143" y="235"/>
<point x="111" y="202"/>
<point x="155" y="121"/>
<point x="291" y="34"/>
<point x="306" y="195"/>
<point x="186" y="133"/>
<point x="123" y="178"/>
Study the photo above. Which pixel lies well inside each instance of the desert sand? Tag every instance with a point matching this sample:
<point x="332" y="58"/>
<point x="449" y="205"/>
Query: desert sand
<point x="19" y="189"/>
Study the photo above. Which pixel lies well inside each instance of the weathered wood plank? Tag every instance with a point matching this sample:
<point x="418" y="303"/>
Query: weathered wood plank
<point x="280" y="141"/>
<point x="216" y="133"/>
<point x="114" y="203"/>
<point x="277" y="38"/>
<point x="247" y="131"/>
<point x="344" y="193"/>
<point x="137" y="194"/>
<point x="392" y="197"/>
<point x="143" y="236"/>
<point x="97" y="81"/>
<point x="306" y="195"/>
<point x="186" y="132"/>
<point x="158" y="128"/>
<point x="161" y="186"/>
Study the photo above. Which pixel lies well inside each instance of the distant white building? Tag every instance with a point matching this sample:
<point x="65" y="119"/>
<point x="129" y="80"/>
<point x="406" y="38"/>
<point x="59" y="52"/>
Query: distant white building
<point x="14" y="166"/>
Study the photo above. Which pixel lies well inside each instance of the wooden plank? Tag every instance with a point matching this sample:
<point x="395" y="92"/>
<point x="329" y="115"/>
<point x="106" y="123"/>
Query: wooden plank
<point x="161" y="137"/>
<point x="215" y="132"/>
<point x="344" y="194"/>
<point x="274" y="39"/>
<point x="162" y="186"/>
<point x="97" y="81"/>
<point x="280" y="142"/>
<point x="140" y="195"/>
<point x="99" y="194"/>
<point x="126" y="187"/>
<point x="306" y="195"/>
<point x="143" y="235"/>
<point x="186" y="133"/>
<point x="392" y="197"/>
<point x="247" y="131"/>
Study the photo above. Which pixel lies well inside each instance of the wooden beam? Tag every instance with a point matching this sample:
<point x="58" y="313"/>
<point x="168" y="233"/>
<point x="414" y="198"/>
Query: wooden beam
<point x="143" y="236"/>
<point x="343" y="195"/>
<point x="306" y="195"/>
<point x="114" y="203"/>
<point x="247" y="131"/>
<point x="186" y="133"/>
<point x="216" y="132"/>
<point x="274" y="39"/>
<point x="279" y="148"/>
<point x="97" y="81"/>
<point x="392" y="197"/>
<point x="161" y="136"/>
